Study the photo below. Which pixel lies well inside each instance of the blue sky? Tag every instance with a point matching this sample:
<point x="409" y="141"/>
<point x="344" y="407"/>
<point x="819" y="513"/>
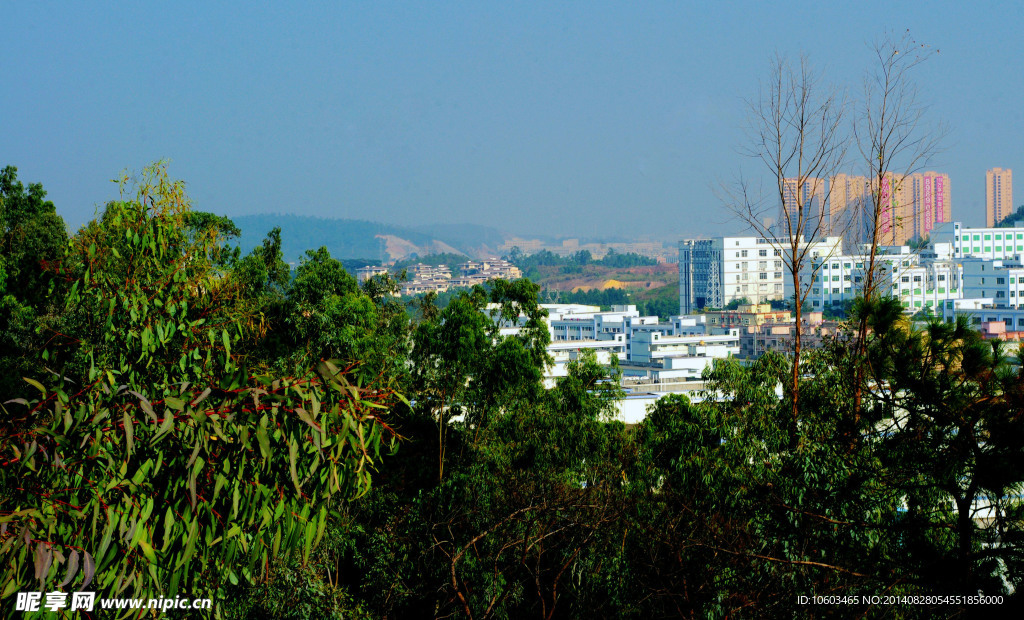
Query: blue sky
<point x="576" y="118"/>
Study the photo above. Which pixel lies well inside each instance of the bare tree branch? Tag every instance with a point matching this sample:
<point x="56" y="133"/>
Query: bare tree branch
<point x="894" y="141"/>
<point x="796" y="130"/>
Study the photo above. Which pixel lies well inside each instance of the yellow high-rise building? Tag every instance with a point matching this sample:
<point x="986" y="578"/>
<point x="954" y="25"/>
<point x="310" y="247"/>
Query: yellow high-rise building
<point x="998" y="195"/>
<point x="848" y="195"/>
<point x="811" y="198"/>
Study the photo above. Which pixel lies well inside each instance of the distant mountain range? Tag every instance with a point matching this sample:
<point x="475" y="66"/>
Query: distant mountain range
<point x="361" y="239"/>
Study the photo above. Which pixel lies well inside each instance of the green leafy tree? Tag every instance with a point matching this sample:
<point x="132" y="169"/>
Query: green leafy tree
<point x="628" y="259"/>
<point x="446" y="353"/>
<point x="528" y="511"/>
<point x="199" y="223"/>
<point x="464" y="367"/>
<point x="953" y="444"/>
<point x="32" y="239"/>
<point x="1013" y="219"/>
<point x="164" y="467"/>
<point x="32" y="235"/>
<point x="330" y="316"/>
<point x="144" y="291"/>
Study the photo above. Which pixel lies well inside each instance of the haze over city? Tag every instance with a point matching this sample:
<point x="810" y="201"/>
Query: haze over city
<point x="526" y="117"/>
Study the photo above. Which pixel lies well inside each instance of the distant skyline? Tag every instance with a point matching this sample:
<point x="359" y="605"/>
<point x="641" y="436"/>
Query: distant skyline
<point x="578" y="119"/>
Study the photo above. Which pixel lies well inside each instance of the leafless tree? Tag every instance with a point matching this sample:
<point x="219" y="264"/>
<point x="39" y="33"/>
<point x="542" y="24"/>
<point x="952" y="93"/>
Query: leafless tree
<point x="895" y="141"/>
<point x="796" y="131"/>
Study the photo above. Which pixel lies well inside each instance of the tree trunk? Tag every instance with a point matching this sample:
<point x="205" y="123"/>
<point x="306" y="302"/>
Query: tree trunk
<point x="965" y="542"/>
<point x="797" y="344"/>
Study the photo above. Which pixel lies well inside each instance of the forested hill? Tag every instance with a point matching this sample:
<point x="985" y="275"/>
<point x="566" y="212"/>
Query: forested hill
<point x="346" y="238"/>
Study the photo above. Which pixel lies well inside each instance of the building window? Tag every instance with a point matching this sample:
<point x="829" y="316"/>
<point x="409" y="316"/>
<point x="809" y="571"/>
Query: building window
<point x="762" y="252"/>
<point x="762" y="276"/>
<point x="743" y="253"/>
<point x="905" y="279"/>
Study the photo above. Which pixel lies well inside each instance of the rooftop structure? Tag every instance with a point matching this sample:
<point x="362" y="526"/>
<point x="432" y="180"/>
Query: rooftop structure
<point x="746" y="315"/>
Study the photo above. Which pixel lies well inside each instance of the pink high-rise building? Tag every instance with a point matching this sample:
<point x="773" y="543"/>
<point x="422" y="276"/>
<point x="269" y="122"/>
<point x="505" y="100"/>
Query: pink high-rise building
<point x="930" y="195"/>
<point x="912" y="206"/>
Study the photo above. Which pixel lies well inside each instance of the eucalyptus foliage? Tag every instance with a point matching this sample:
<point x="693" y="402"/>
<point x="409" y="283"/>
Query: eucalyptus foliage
<point x="157" y="464"/>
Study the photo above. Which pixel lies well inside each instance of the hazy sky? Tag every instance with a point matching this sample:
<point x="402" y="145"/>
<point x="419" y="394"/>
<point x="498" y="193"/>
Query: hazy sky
<point x="581" y="118"/>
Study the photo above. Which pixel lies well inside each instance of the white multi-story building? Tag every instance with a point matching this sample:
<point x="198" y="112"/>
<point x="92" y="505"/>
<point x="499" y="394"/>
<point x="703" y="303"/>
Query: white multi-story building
<point x="980" y="242"/>
<point x="1001" y="280"/>
<point x="918" y="284"/>
<point x="564" y="352"/>
<point x="684" y="341"/>
<point x="581" y="322"/>
<point x="713" y="272"/>
<point x="663" y="357"/>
